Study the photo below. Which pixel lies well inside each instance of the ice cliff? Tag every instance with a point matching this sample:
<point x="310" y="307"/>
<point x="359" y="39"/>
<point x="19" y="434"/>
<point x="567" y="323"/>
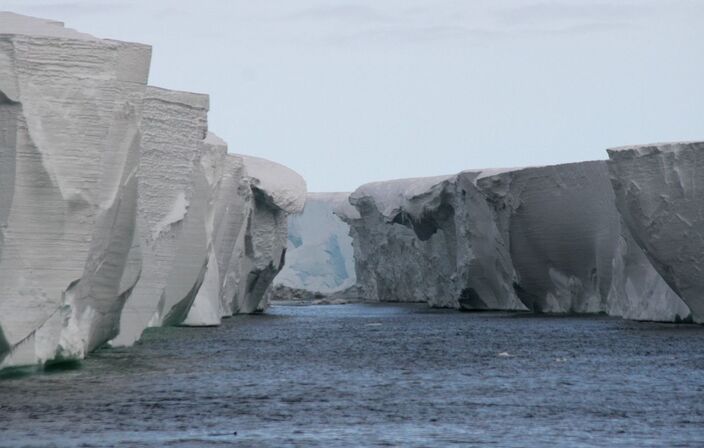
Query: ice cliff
<point x="70" y="111"/>
<point x="568" y="247"/>
<point x="276" y="193"/>
<point x="319" y="256"/>
<point x="248" y="225"/>
<point x="546" y="239"/>
<point x="172" y="208"/>
<point x="658" y="193"/>
<point x="118" y="210"/>
<point x="430" y="240"/>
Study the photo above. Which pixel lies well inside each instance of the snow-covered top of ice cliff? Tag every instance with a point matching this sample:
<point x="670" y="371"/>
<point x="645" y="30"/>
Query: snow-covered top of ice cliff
<point x="11" y="23"/>
<point x="651" y="148"/>
<point x="285" y="187"/>
<point x="390" y="196"/>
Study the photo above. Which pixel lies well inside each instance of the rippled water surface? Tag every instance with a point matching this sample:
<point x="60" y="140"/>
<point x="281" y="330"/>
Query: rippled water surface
<point x="374" y="375"/>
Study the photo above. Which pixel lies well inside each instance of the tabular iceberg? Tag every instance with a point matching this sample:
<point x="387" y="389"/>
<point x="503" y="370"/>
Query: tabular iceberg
<point x="319" y="254"/>
<point x="658" y="195"/>
<point x="70" y="108"/>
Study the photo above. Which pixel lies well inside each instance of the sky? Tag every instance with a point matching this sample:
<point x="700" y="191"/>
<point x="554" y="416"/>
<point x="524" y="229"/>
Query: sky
<point x="348" y="92"/>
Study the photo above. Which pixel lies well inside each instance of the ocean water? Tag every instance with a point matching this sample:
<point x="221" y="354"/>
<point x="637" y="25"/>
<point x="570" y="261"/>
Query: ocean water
<point x="374" y="375"/>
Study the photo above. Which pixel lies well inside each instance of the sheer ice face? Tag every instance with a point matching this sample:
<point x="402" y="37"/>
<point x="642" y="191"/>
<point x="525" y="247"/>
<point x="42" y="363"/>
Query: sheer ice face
<point x="207" y="307"/>
<point x="70" y="107"/>
<point x="277" y="192"/>
<point x="658" y="193"/>
<point x="117" y="212"/>
<point x="173" y="206"/>
<point x="568" y="246"/>
<point x="430" y="240"/>
<point x="638" y="292"/>
<point x="548" y="239"/>
<point x="561" y="227"/>
<point x="319" y="255"/>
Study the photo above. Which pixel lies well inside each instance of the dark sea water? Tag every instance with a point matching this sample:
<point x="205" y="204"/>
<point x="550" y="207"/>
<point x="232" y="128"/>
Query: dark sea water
<point x="374" y="375"/>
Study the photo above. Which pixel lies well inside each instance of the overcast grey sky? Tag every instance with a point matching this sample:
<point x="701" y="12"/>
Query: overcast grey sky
<point x="347" y="92"/>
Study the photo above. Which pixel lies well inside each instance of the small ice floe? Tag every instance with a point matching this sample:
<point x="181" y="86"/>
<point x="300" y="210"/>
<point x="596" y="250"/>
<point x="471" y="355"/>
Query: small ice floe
<point x="504" y="355"/>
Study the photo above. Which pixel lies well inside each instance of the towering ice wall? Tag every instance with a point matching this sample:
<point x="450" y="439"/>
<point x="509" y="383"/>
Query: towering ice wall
<point x="658" y="192"/>
<point x="548" y="239"/>
<point x="561" y="228"/>
<point x="233" y="206"/>
<point x="277" y="192"/>
<point x="70" y="107"/>
<point x="117" y="210"/>
<point x="207" y="307"/>
<point x="430" y="240"/>
<point x="252" y="205"/>
<point x="173" y="201"/>
<point x="319" y="256"/>
<point x="569" y="248"/>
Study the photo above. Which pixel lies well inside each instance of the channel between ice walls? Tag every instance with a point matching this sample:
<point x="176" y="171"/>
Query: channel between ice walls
<point x="546" y="239"/>
<point x="319" y="254"/>
<point x="118" y="210"/>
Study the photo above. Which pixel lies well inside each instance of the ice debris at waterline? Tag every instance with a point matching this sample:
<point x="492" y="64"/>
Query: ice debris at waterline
<point x="319" y="254"/>
<point x="546" y="239"/>
<point x="118" y="210"/>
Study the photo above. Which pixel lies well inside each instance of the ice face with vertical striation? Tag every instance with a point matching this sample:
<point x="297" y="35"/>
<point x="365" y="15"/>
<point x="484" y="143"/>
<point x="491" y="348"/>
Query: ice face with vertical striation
<point x="173" y="204"/>
<point x="207" y="307"/>
<point x="276" y="193"/>
<point x="658" y="193"/>
<point x="118" y="211"/>
<point x="70" y="108"/>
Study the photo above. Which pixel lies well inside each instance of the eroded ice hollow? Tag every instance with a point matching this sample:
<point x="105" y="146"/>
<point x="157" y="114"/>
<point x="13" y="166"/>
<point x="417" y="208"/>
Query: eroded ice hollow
<point x="319" y="254"/>
<point x="659" y="194"/>
<point x="118" y="210"/>
<point x="547" y="239"/>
